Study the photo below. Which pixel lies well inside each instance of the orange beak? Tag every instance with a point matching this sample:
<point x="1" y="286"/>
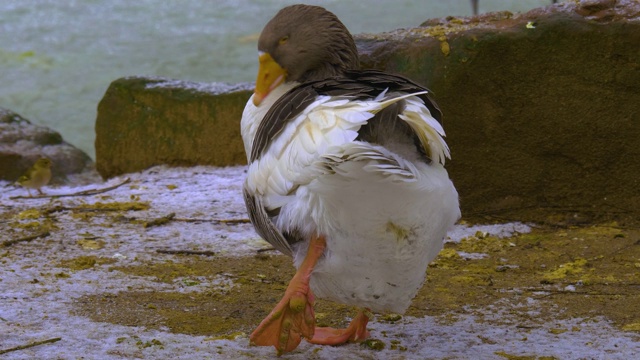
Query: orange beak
<point x="270" y="76"/>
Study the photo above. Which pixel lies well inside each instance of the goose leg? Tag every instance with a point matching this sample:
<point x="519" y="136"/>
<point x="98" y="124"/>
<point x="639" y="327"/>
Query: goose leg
<point x="293" y="318"/>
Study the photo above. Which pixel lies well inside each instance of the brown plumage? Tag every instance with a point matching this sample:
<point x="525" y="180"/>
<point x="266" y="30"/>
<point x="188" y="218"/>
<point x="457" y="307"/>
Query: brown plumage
<point x="293" y="39"/>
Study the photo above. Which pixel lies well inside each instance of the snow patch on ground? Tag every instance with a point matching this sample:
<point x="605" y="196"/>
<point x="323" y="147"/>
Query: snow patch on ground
<point x="460" y="232"/>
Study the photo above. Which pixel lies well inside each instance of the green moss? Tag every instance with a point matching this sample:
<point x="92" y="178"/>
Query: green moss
<point x="514" y="357"/>
<point x="84" y="262"/>
<point x="29" y="214"/>
<point x="374" y="344"/>
<point x="570" y="268"/>
<point x="391" y="317"/>
<point x="511" y="272"/>
<point x="115" y="206"/>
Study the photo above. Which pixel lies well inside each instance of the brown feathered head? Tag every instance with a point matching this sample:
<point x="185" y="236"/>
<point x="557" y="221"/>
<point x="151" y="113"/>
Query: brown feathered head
<point x="303" y="43"/>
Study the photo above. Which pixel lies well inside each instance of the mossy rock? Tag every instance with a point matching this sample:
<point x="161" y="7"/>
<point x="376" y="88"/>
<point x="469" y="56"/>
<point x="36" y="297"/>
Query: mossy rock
<point x="144" y="122"/>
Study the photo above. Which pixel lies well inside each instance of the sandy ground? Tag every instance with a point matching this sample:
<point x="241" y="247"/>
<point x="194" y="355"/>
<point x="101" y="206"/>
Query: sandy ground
<point x="85" y="239"/>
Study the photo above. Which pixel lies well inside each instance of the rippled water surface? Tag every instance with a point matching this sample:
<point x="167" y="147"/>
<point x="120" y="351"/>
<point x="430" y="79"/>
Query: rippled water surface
<point x="57" y="57"/>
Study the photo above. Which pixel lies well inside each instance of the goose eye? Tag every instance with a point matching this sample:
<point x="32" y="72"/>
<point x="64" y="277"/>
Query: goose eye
<point x="283" y="40"/>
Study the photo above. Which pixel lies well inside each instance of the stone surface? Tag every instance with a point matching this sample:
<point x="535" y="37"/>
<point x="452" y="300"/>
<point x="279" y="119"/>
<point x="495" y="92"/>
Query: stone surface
<point x="22" y="143"/>
<point x="541" y="110"/>
<point x="150" y="121"/>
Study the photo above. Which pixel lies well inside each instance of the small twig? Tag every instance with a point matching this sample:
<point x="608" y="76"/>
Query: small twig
<point x="159" y="221"/>
<point x="234" y="221"/>
<point x="37" y="343"/>
<point x="27" y="238"/>
<point x="527" y="327"/>
<point x="265" y="250"/>
<point x="223" y="221"/>
<point x="89" y="209"/>
<point x="171" y="217"/>
<point x="186" y="252"/>
<point x="79" y="193"/>
<point x="99" y="191"/>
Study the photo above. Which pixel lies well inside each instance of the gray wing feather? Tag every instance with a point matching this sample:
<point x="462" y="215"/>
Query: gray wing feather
<point x="263" y="224"/>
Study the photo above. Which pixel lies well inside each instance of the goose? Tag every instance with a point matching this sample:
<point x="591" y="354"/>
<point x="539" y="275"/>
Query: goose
<point x="346" y="175"/>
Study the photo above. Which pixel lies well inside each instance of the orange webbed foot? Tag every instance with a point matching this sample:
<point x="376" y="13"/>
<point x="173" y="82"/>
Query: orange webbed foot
<point x="291" y="320"/>
<point x="355" y="332"/>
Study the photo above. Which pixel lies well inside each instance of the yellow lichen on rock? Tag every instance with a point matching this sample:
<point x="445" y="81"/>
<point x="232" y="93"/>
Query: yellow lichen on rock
<point x="570" y="268"/>
<point x="84" y="262"/>
<point x="631" y="327"/>
<point x="29" y="214"/>
<point x="89" y="244"/>
<point x="445" y="48"/>
<point x="116" y="206"/>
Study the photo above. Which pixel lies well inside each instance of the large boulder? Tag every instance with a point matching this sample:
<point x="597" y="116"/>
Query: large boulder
<point x="541" y="110"/>
<point x="150" y="121"/>
<point x="22" y="143"/>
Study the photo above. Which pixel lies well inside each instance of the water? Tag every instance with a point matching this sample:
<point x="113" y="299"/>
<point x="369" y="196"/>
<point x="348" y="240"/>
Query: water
<point x="57" y="57"/>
